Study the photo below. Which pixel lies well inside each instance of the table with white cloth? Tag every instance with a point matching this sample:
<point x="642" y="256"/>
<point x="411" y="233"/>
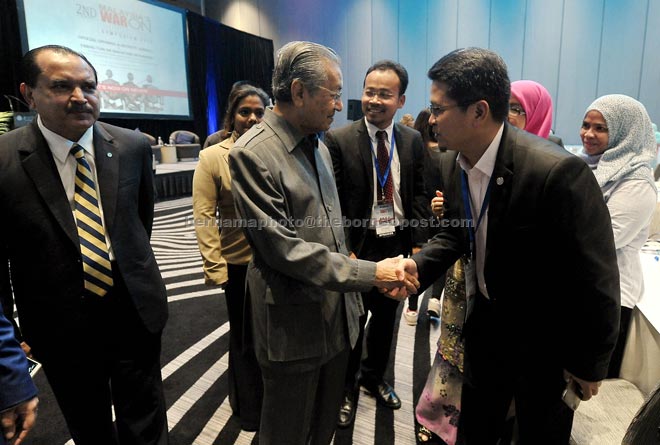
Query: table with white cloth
<point x="641" y="358"/>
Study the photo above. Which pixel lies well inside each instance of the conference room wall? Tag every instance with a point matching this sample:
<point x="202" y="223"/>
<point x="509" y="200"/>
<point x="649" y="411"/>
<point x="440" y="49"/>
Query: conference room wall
<point x="578" y="49"/>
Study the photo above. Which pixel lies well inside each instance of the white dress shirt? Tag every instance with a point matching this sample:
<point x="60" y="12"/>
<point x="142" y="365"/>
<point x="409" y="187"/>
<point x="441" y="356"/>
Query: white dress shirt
<point x="478" y="178"/>
<point x="395" y="171"/>
<point x="67" y="165"/>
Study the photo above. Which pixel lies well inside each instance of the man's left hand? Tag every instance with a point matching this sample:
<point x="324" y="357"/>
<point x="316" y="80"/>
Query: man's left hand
<point x="589" y="389"/>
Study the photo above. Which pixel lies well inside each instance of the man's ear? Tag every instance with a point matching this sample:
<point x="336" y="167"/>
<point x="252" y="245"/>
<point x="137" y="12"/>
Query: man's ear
<point x="481" y="110"/>
<point x="297" y="92"/>
<point x="26" y="92"/>
<point x="402" y="101"/>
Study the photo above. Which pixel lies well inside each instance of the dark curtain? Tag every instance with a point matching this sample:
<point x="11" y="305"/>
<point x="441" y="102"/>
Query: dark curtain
<point x="216" y="53"/>
<point x="10" y="55"/>
<point x="237" y="56"/>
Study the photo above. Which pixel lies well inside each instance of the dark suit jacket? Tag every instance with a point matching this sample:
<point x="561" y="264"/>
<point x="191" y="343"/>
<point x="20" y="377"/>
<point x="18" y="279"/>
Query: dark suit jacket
<point x="353" y="161"/>
<point x="38" y="233"/>
<point x="550" y="258"/>
<point x="556" y="139"/>
<point x="15" y="383"/>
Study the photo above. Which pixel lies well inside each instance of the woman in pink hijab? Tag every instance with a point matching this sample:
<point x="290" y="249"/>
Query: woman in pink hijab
<point x="530" y="108"/>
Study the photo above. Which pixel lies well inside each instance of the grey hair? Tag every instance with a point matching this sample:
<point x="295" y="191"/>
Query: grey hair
<point x="304" y="61"/>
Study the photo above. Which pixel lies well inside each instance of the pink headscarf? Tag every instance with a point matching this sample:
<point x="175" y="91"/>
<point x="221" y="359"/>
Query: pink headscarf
<point x="537" y="103"/>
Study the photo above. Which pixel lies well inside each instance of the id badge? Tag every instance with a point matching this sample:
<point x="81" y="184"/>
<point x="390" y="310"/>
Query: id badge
<point x="385" y="224"/>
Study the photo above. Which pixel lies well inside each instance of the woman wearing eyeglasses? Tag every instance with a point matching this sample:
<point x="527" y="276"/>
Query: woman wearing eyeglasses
<point x="226" y="252"/>
<point x="530" y="109"/>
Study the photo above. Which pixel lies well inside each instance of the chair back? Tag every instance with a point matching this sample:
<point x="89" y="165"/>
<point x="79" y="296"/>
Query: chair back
<point x="179" y="137"/>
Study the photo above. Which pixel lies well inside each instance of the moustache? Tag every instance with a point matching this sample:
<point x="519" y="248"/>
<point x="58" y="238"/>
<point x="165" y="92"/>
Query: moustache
<point x="83" y="109"/>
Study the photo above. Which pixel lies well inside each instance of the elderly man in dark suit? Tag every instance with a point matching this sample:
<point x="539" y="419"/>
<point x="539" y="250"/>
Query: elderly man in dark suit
<point x="301" y="282"/>
<point x="541" y="272"/>
<point x="77" y="203"/>
<point x="18" y="395"/>
<point x="378" y="165"/>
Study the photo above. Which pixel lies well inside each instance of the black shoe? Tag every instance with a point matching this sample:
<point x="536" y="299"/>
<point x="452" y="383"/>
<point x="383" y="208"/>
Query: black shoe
<point x="383" y="392"/>
<point x="250" y="426"/>
<point x="347" y="410"/>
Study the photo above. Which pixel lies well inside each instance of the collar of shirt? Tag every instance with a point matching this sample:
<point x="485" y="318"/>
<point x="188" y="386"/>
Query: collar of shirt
<point x="372" y="129"/>
<point x="61" y="146"/>
<point x="486" y="164"/>
<point x="289" y="136"/>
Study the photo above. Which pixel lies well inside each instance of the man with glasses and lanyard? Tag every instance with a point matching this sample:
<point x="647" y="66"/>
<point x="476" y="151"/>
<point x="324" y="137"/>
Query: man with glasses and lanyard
<point x="379" y="171"/>
<point x="541" y="275"/>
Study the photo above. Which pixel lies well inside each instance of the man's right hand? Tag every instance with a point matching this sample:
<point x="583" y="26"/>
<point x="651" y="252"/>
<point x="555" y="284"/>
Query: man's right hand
<point x="16" y="422"/>
<point x="395" y="279"/>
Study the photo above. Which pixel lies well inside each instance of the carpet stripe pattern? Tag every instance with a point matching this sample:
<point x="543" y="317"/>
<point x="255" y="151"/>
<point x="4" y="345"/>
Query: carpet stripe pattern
<point x="195" y="344"/>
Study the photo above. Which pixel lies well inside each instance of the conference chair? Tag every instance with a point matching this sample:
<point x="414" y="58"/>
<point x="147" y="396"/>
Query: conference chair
<point x="215" y="138"/>
<point x="155" y="146"/>
<point x="187" y="144"/>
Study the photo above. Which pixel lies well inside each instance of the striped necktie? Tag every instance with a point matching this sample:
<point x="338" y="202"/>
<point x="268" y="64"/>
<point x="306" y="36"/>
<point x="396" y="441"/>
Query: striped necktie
<point x="93" y="248"/>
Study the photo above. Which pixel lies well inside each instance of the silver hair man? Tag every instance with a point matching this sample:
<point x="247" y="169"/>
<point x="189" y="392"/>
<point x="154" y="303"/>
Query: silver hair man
<point x="305" y="61"/>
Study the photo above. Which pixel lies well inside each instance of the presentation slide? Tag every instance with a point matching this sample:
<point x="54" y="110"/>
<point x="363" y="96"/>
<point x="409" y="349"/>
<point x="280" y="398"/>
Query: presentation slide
<point x="138" y="49"/>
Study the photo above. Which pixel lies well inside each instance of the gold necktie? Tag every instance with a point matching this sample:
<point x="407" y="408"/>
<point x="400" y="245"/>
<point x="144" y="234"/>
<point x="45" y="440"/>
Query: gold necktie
<point x="97" y="269"/>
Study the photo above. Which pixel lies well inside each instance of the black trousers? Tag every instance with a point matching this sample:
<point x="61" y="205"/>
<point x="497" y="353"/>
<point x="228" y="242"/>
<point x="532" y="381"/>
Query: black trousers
<point x="494" y="376"/>
<point x="436" y="292"/>
<point x="115" y="361"/>
<point x="383" y="314"/>
<point x="614" y="369"/>
<point x="244" y="374"/>
<point x="301" y="408"/>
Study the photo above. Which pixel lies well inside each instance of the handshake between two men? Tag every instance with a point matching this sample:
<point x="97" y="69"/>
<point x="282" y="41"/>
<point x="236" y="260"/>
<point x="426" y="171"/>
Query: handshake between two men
<point x="397" y="277"/>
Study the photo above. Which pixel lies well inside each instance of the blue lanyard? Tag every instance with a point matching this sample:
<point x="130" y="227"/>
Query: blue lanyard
<point x="468" y="208"/>
<point x="382" y="179"/>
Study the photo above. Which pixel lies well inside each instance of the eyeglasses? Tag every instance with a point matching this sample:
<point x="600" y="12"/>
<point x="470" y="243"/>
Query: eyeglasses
<point x="383" y="94"/>
<point x="437" y="110"/>
<point x="246" y="112"/>
<point x="336" y="95"/>
<point x="516" y="110"/>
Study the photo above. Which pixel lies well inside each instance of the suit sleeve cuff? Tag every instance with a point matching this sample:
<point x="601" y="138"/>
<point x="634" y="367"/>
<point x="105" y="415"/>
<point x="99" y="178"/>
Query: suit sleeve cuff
<point x="366" y="274"/>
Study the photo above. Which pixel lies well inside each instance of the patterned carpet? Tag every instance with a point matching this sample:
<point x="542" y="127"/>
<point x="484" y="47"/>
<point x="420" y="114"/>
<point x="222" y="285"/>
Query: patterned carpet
<point x="194" y="358"/>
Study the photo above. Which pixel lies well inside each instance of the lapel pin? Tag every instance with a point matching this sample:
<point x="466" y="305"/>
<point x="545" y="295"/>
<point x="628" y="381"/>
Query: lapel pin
<point x="499" y="180"/>
<point x="110" y="155"/>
